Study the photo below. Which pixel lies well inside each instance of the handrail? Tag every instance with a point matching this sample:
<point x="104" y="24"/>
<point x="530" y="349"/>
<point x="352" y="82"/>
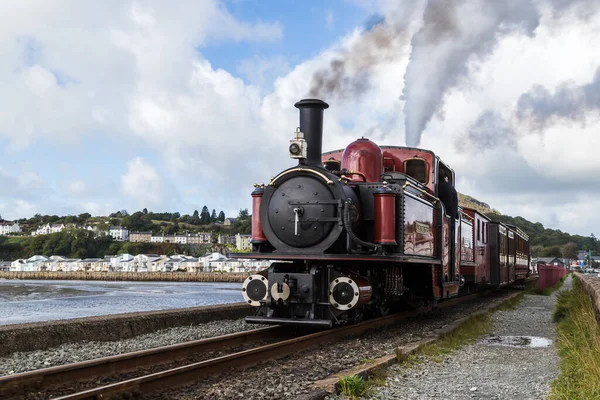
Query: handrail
<point x="300" y="169"/>
<point x="421" y="190"/>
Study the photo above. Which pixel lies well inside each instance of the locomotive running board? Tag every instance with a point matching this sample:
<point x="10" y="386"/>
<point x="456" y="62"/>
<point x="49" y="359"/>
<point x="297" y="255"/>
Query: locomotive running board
<point x="317" y="323"/>
<point x="336" y="257"/>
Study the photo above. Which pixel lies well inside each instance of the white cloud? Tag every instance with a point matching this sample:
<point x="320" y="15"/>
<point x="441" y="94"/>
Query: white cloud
<point x="76" y="188"/>
<point x="142" y="184"/>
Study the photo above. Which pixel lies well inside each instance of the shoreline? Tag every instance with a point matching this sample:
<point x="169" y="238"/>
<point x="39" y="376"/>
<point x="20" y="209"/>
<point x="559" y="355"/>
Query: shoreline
<point x="233" y="277"/>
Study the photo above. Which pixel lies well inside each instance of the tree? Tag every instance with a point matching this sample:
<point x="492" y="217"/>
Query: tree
<point x="195" y="220"/>
<point x="569" y="250"/>
<point x="243" y="214"/>
<point x="221" y="217"/>
<point x="204" y="216"/>
<point x="145" y="211"/>
<point x="84" y="217"/>
<point x="536" y="251"/>
<point x="213" y="216"/>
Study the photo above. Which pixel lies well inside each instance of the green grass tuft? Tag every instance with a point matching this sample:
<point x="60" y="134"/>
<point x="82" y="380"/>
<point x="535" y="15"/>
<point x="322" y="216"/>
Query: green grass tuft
<point x="578" y="343"/>
<point x="353" y="386"/>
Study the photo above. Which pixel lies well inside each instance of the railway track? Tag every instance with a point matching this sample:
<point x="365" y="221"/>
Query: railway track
<point x="42" y="383"/>
<point x="64" y="382"/>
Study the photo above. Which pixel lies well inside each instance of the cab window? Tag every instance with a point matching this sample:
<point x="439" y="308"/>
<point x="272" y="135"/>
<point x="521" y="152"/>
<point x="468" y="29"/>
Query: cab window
<point x="416" y="168"/>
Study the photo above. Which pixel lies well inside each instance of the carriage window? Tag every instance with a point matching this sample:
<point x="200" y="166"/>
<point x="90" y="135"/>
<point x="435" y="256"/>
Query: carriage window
<point x="485" y="232"/>
<point x="416" y="168"/>
<point x="478" y="231"/>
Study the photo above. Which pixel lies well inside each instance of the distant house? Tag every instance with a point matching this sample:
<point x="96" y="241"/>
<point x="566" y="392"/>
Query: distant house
<point x="550" y="261"/>
<point x="4" y="266"/>
<point x="229" y="221"/>
<point x="48" y="229"/>
<point x="143" y="262"/>
<point x="7" y="227"/>
<point x="211" y="262"/>
<point x="145" y="237"/>
<point x="226" y="239"/>
<point x="179" y="239"/>
<point x="242" y="242"/>
<point x="32" y="264"/>
<point x="119" y="233"/>
<point x="157" y="239"/>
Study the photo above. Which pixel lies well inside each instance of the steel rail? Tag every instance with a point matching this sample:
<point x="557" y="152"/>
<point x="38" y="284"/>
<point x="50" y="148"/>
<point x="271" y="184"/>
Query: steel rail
<point x="193" y="372"/>
<point x="45" y="379"/>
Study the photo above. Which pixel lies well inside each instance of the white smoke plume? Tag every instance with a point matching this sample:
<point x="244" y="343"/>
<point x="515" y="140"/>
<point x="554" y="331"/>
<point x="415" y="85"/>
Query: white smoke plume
<point x="453" y="34"/>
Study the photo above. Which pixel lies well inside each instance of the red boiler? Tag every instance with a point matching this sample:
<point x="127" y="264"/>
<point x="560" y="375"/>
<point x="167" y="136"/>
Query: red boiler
<point x="364" y="160"/>
<point x="385" y="215"/>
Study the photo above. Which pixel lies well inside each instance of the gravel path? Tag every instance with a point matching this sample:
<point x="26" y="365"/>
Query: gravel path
<point x="486" y="369"/>
<point x="75" y="352"/>
<point x="291" y="376"/>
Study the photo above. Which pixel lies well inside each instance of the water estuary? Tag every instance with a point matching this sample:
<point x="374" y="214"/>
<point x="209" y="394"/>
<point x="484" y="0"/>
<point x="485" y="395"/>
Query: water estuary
<point x="40" y="300"/>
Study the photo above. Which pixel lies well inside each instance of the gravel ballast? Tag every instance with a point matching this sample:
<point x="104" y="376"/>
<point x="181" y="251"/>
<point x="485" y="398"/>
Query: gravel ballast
<point x="291" y="376"/>
<point x="488" y="370"/>
<point x="75" y="352"/>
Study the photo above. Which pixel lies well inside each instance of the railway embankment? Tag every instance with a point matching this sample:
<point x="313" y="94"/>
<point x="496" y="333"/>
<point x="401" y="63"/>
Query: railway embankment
<point x="591" y="285"/>
<point x="128" y="276"/>
<point x="45" y="335"/>
<point x="517" y="358"/>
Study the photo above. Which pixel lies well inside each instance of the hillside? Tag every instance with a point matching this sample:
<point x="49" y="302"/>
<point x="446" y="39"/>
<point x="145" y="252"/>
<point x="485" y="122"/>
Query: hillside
<point x="465" y="200"/>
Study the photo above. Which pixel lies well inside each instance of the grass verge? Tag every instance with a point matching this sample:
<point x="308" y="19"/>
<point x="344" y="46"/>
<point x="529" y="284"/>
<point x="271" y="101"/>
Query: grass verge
<point x="354" y="386"/>
<point x="578" y="343"/>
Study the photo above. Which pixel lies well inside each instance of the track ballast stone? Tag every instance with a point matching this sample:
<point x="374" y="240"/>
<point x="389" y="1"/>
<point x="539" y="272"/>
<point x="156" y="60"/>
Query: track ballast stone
<point x="486" y="369"/>
<point x="291" y="376"/>
<point x="76" y="352"/>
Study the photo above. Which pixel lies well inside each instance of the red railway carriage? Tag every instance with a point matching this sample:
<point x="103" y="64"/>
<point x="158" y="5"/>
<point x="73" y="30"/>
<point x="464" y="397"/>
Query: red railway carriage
<point x="475" y="265"/>
<point x="357" y="230"/>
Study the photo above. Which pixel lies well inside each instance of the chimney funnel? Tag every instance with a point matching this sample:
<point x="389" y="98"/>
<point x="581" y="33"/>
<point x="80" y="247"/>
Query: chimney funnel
<point x="311" y="124"/>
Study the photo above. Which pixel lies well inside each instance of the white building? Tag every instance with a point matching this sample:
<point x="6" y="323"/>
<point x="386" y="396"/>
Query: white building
<point x="7" y="227"/>
<point x="242" y="242"/>
<point x="226" y="239"/>
<point x="179" y="239"/>
<point x="90" y="264"/>
<point x="255" y="265"/>
<point x="143" y="262"/>
<point x="119" y="233"/>
<point x="48" y="229"/>
<point x="205" y="237"/>
<point x="189" y="264"/>
<point x="32" y="264"/>
<point x="157" y="239"/>
<point x="122" y="263"/>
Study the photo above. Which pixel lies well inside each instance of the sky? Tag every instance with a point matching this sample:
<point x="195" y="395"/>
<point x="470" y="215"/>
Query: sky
<point x="124" y="104"/>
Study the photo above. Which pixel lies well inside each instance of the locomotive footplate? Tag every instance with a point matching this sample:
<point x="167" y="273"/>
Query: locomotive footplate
<point x="317" y="323"/>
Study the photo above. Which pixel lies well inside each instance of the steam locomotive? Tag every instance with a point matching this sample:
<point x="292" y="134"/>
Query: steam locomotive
<point x="361" y="230"/>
